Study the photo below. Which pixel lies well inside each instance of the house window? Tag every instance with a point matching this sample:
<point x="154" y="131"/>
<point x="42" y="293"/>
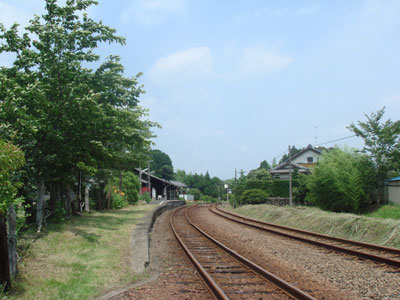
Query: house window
<point x="310" y="159"/>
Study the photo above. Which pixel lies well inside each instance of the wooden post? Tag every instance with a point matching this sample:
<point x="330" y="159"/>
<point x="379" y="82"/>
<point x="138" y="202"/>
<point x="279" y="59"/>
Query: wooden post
<point x="40" y="204"/>
<point x="12" y="241"/>
<point x="4" y="263"/>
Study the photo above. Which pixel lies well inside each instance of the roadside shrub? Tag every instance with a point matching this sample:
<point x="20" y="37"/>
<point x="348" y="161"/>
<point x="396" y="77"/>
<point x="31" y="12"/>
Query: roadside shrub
<point x="131" y="187"/>
<point x="196" y="193"/>
<point x="11" y="159"/>
<point x="253" y="196"/>
<point x="207" y="199"/>
<point x="118" y="201"/>
<point x="342" y="181"/>
<point x="145" y="197"/>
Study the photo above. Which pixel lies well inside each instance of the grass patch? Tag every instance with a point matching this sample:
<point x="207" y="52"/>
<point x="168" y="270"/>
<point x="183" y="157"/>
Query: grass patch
<point x="80" y="259"/>
<point x="360" y="228"/>
<point x="391" y="211"/>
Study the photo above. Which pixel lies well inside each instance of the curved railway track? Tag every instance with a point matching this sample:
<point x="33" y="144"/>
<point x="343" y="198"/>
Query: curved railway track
<point x="227" y="274"/>
<point x="376" y="253"/>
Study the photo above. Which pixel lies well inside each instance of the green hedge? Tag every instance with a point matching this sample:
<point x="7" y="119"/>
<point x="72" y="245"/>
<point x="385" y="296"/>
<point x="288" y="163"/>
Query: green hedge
<point x="274" y="188"/>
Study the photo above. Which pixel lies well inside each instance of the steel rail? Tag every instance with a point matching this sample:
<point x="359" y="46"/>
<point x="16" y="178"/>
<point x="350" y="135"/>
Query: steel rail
<point x="216" y="291"/>
<point x="368" y="256"/>
<point x="280" y="283"/>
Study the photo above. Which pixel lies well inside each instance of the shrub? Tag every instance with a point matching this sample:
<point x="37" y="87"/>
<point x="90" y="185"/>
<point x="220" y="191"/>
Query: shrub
<point x="342" y="181"/>
<point x="253" y="196"/>
<point x="145" y="197"/>
<point x="118" y="201"/>
<point x="131" y="186"/>
<point x="11" y="159"/>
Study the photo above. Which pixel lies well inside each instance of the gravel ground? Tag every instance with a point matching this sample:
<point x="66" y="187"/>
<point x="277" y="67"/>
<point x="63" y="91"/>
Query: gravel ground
<point x="176" y="277"/>
<point x="327" y="274"/>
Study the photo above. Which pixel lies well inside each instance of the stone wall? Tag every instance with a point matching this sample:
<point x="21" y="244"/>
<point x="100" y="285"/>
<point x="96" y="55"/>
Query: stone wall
<point x="278" y="201"/>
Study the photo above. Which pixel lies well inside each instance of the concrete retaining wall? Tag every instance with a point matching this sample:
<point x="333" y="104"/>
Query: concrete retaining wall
<point x="141" y="235"/>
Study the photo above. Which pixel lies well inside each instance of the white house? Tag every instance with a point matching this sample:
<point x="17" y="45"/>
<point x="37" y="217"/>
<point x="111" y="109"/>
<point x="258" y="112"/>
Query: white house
<point x="302" y="161"/>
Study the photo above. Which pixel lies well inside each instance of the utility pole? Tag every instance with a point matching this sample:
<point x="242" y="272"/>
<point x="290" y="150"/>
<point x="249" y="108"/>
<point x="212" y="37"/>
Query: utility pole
<point x="290" y="179"/>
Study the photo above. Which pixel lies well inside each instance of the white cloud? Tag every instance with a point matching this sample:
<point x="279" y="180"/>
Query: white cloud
<point x="308" y="9"/>
<point x="256" y="61"/>
<point x="186" y="64"/>
<point x="153" y="12"/>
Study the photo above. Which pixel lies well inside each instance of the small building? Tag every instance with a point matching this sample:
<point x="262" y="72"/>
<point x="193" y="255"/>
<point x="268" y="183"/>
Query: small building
<point x="393" y="189"/>
<point x="302" y="162"/>
<point x="160" y="188"/>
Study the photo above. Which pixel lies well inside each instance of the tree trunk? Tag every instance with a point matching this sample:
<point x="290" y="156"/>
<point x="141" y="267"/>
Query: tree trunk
<point x="53" y="197"/>
<point x="40" y="204"/>
<point x="120" y="181"/>
<point x="87" y="208"/>
<point x="4" y="263"/>
<point x="68" y="201"/>
<point x="12" y="241"/>
<point x="79" y="196"/>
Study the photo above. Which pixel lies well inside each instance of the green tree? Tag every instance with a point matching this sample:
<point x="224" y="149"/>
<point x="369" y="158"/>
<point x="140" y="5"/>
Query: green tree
<point x="382" y="143"/>
<point x="342" y="181"/>
<point x="66" y="117"/>
<point x="161" y="164"/>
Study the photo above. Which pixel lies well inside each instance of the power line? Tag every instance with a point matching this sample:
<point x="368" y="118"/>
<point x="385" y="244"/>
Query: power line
<point x="347" y="137"/>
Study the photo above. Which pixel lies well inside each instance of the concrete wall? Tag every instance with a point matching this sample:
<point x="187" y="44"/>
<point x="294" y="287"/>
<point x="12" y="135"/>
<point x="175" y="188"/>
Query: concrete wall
<point x="394" y="191"/>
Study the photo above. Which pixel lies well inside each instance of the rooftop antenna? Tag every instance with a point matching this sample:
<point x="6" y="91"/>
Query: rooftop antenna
<point x="316" y="134"/>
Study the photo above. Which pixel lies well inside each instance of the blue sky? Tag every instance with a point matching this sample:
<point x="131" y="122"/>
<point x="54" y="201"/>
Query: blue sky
<point x="235" y="82"/>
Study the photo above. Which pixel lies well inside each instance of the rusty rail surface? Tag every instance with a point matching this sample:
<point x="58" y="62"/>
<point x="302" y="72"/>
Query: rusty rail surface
<point x="227" y="263"/>
<point x="361" y="251"/>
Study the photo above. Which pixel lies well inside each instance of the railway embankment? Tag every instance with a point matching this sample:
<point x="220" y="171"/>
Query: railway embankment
<point x="355" y="227"/>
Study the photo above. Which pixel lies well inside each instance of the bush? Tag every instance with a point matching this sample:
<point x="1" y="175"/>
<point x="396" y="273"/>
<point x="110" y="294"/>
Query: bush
<point x="145" y="197"/>
<point x="207" y="199"/>
<point x="118" y="201"/>
<point x="131" y="187"/>
<point x="253" y="196"/>
<point x="342" y="181"/>
<point x="11" y="159"/>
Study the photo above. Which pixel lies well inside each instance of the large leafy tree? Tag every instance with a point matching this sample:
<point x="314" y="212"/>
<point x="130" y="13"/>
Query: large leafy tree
<point x="161" y="164"/>
<point x="66" y="117"/>
<point x="382" y="143"/>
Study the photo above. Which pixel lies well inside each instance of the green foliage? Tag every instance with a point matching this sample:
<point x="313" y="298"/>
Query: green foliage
<point x="11" y="159"/>
<point x="66" y="116"/>
<point x="274" y="188"/>
<point x="119" y="200"/>
<point x="342" y="181"/>
<point x="145" y="197"/>
<point x="208" y="199"/>
<point x="161" y="164"/>
<point x="204" y="183"/>
<point x="253" y="196"/>
<point x="131" y="187"/>
<point x="196" y="193"/>
<point x="382" y="143"/>
<point x="300" y="189"/>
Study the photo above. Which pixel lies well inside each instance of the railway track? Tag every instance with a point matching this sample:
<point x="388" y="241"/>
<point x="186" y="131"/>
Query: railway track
<point x="227" y="274"/>
<point x="376" y="253"/>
